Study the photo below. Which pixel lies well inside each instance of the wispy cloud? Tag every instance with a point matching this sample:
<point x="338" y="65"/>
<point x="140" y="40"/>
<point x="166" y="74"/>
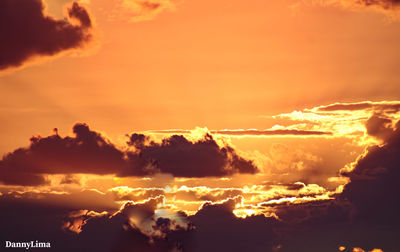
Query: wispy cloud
<point x="389" y="7"/>
<point x="141" y="10"/>
<point x="250" y="132"/>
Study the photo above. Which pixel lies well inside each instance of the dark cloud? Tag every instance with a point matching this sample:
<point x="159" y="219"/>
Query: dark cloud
<point x="133" y="228"/>
<point x="28" y="32"/>
<point x="379" y="126"/>
<point x="389" y="7"/>
<point x="40" y="216"/>
<point x="374" y="184"/>
<point x="364" y="215"/>
<point x="85" y="199"/>
<point x="80" y="14"/>
<point x="218" y="229"/>
<point x="91" y="153"/>
<point x="294" y="186"/>
<point x="182" y="158"/>
<point x="69" y="179"/>
<point x="386" y="4"/>
<point x="86" y="152"/>
<point x="138" y="140"/>
<point x="151" y="6"/>
<point x="321" y="225"/>
<point x="26" y="220"/>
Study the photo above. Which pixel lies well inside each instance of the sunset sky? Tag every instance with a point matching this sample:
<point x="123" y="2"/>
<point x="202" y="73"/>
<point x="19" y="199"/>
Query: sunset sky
<point x="185" y="126"/>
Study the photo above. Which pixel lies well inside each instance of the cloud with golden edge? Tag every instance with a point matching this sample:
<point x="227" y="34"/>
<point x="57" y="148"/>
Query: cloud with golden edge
<point x="343" y="119"/>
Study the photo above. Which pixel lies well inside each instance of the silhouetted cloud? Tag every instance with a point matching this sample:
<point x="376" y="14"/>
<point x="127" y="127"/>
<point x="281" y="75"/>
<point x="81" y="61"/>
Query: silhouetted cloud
<point x="182" y="158"/>
<point x="87" y="152"/>
<point x="218" y="229"/>
<point x="91" y="153"/>
<point x="374" y="181"/>
<point x="135" y="227"/>
<point x="27" y="31"/>
<point x="364" y="214"/>
<point x="380" y="127"/>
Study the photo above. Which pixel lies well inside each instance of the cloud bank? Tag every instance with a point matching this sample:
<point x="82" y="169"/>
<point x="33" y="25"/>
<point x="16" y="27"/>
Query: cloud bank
<point x="91" y="153"/>
<point x="362" y="216"/>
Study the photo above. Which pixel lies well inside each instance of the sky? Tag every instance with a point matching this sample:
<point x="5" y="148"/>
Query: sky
<point x="171" y="125"/>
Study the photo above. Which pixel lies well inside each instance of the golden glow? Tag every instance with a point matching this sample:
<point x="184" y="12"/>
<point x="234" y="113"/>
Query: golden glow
<point x="243" y="213"/>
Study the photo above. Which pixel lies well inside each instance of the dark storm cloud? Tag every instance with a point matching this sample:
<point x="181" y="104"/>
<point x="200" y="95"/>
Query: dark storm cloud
<point x="91" y="153"/>
<point x="27" y="31"/>
<point x="135" y="227"/>
<point x="25" y="219"/>
<point x="218" y="229"/>
<point x="365" y="214"/>
<point x="374" y="185"/>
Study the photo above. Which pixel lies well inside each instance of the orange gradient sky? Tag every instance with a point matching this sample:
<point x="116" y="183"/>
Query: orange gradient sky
<point x="215" y="64"/>
<point x="284" y="97"/>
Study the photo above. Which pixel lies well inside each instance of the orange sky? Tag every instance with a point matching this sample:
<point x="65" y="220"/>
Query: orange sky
<point x="260" y="80"/>
<point x="205" y="63"/>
